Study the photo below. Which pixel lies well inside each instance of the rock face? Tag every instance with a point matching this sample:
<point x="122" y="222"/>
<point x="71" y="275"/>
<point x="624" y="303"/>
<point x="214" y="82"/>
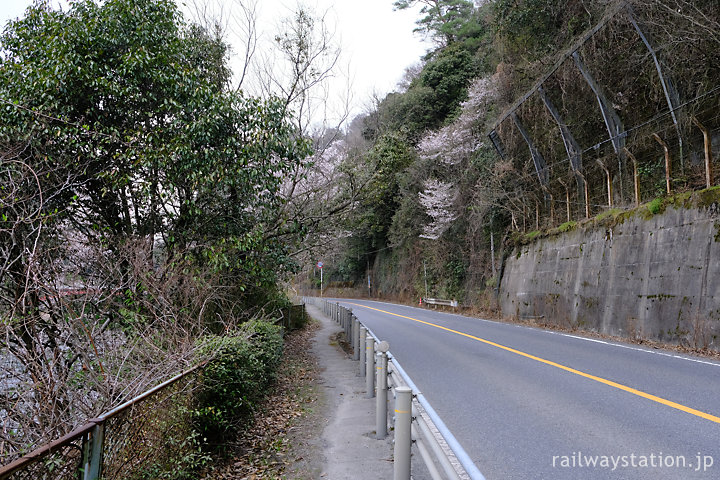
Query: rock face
<point x="655" y="278"/>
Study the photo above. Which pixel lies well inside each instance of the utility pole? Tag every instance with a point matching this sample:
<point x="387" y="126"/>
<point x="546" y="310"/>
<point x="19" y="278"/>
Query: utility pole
<point x="425" y="270"/>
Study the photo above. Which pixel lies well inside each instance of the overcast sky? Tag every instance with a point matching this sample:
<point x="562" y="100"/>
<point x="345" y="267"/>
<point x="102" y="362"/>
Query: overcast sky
<point x="377" y="43"/>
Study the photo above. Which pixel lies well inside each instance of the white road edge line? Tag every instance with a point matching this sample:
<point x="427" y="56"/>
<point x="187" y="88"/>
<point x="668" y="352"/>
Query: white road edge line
<point x="637" y="349"/>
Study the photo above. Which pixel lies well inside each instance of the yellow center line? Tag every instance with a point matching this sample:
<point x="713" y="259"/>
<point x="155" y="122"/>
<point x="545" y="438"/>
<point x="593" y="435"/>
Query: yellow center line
<point x="610" y="383"/>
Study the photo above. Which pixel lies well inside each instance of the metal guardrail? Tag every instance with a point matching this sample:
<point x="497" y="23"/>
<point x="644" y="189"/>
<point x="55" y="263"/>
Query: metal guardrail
<point x="438" y="301"/>
<point x="145" y="433"/>
<point x="415" y="419"/>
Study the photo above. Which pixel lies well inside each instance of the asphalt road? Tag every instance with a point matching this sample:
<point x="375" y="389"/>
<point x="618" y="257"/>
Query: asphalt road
<point x="527" y="403"/>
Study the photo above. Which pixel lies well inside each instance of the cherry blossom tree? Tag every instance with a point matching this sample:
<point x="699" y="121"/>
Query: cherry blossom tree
<point x="437" y="199"/>
<point x="450" y="147"/>
<point x="460" y="139"/>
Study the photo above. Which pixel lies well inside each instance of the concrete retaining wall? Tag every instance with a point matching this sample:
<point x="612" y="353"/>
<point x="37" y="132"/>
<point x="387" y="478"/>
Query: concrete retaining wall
<point x="655" y="278"/>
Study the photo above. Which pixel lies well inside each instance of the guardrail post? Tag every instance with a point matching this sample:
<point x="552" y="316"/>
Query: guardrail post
<point x="370" y="366"/>
<point x="381" y="403"/>
<point x="403" y="421"/>
<point x="348" y="325"/>
<point x="356" y="338"/>
<point x="93" y="453"/>
<point x="362" y="350"/>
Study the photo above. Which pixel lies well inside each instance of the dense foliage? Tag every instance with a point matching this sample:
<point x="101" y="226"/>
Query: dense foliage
<point x="142" y="206"/>
<point x="242" y="367"/>
<point x="440" y="207"/>
<point x="124" y="100"/>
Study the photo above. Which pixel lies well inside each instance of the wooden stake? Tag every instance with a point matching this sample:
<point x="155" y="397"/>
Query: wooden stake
<point x="708" y="152"/>
<point x="609" y="183"/>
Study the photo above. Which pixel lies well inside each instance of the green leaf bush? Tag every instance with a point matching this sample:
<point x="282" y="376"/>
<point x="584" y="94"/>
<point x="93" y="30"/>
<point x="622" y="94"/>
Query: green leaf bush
<point x="242" y="367"/>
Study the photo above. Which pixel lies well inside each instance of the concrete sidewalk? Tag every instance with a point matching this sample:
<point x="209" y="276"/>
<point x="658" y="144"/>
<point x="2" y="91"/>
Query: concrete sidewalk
<point x="351" y="449"/>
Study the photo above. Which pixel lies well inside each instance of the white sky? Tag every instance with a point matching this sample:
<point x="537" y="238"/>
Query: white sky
<point x="377" y="43"/>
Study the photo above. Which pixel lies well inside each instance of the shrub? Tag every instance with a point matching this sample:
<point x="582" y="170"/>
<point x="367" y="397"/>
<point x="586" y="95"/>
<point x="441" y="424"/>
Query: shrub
<point x="242" y="366"/>
<point x="656" y="206"/>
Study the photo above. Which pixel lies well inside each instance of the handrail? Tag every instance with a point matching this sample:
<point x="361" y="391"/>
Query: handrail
<point x="342" y="315"/>
<point x="87" y="428"/>
<point x="37" y="454"/>
<point x="452" y="442"/>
